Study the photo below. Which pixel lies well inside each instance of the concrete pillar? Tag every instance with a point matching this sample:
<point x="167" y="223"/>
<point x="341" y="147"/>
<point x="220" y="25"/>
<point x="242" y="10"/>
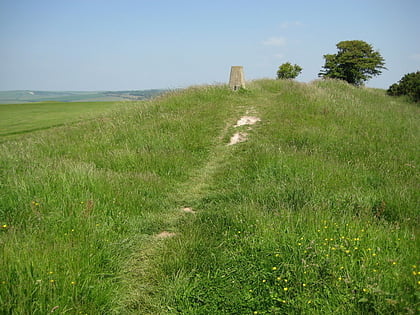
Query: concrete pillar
<point x="237" y="79"/>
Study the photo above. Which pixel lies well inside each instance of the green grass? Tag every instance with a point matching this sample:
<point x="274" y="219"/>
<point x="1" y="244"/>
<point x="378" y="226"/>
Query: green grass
<point x="24" y="118"/>
<point x="317" y="213"/>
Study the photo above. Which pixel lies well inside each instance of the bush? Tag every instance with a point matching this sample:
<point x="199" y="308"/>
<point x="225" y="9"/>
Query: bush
<point x="408" y="85"/>
<point x="288" y="71"/>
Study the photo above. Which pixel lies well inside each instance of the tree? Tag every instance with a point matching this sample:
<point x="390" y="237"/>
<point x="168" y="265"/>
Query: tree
<point x="355" y="62"/>
<point x="408" y="85"/>
<point x="288" y="71"/>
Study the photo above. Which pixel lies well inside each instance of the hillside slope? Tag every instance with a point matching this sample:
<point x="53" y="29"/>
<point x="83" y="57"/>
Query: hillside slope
<point x="149" y="211"/>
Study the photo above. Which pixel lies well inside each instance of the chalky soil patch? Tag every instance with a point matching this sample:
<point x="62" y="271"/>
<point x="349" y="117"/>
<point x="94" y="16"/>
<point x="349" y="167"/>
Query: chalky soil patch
<point x="165" y="234"/>
<point x="239" y="137"/>
<point x="247" y="120"/>
<point x="188" y="210"/>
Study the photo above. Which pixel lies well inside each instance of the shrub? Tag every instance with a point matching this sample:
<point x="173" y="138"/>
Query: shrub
<point x="409" y="85"/>
<point x="288" y="71"/>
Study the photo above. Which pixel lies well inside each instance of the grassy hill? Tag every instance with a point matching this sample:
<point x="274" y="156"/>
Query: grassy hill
<point x="147" y="210"/>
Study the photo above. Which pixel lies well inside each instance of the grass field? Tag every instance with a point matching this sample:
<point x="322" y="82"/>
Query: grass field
<point x="28" y="117"/>
<point x="316" y="213"/>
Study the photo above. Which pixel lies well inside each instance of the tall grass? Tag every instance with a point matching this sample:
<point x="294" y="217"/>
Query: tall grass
<point x="316" y="213"/>
<point x="75" y="199"/>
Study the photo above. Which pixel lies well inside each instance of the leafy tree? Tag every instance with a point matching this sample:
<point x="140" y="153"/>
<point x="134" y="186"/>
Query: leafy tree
<point x="355" y="62"/>
<point x="408" y="85"/>
<point x="288" y="71"/>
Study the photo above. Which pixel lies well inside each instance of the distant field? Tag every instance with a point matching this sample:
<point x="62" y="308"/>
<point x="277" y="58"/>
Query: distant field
<point x="26" y="96"/>
<point x="23" y="118"/>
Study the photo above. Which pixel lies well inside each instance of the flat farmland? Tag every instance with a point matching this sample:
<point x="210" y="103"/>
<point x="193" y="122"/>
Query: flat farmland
<point x="24" y="118"/>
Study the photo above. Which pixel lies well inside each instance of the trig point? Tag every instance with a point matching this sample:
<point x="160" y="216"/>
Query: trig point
<point x="237" y="79"/>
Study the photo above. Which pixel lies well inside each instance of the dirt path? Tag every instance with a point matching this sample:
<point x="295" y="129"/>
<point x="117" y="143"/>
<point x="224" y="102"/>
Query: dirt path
<point x="141" y="274"/>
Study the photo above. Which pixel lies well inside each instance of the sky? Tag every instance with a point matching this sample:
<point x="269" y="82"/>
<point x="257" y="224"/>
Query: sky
<point x="97" y="45"/>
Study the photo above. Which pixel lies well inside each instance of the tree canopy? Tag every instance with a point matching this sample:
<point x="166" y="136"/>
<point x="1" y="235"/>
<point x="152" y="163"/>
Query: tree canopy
<point x="355" y="62"/>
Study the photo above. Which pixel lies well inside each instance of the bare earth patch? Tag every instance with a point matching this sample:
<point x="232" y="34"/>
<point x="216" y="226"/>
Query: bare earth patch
<point x="247" y="120"/>
<point x="165" y="234"/>
<point x="188" y="210"/>
<point x="242" y="136"/>
<point x="238" y="137"/>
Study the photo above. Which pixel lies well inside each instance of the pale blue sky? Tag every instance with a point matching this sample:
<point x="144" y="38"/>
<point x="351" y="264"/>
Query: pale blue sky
<point x="127" y="44"/>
